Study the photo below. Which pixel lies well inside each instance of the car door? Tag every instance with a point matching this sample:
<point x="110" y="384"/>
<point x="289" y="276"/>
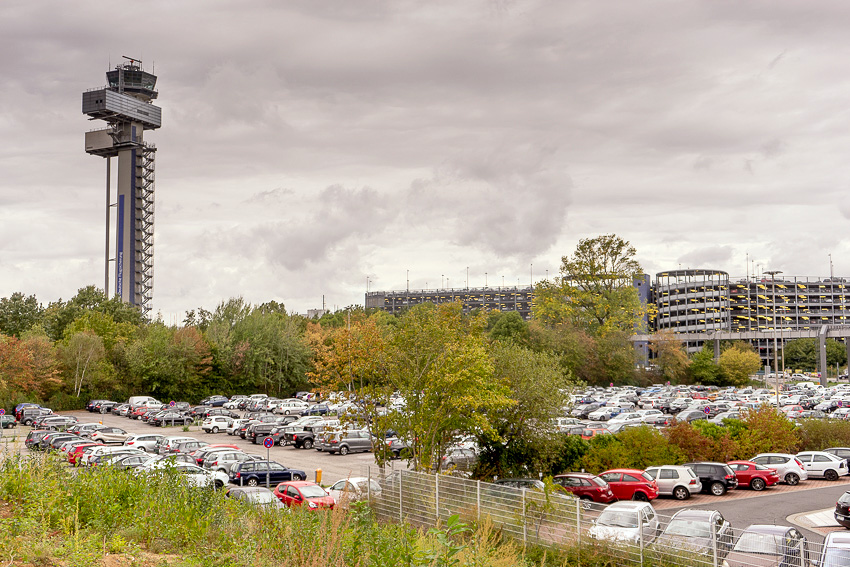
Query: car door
<point x="809" y="464"/>
<point x="649" y="520"/>
<point x="279" y="473"/>
<point x="292" y="497"/>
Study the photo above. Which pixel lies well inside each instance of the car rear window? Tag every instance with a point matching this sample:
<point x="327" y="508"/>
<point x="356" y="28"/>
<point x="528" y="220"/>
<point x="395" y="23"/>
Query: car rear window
<point x="597" y="481"/>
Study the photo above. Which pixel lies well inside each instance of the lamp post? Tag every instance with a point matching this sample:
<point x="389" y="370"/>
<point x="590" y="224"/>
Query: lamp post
<point x="772" y="274"/>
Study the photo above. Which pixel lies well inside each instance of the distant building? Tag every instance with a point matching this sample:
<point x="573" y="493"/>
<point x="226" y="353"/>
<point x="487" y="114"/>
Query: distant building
<point x="511" y="298"/>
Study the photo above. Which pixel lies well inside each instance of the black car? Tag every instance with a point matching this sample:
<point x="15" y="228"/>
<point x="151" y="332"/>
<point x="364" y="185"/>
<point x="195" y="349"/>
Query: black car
<point x="90" y="405"/>
<point x="255" y="473"/>
<point x="169" y="418"/>
<point x="842" y="510"/>
<point x="585" y="410"/>
<point x="259" y="431"/>
<point x="716" y="478"/>
<point x="34" y="437"/>
<point x="317" y="409"/>
<point x="219" y="411"/>
<point x="197" y="411"/>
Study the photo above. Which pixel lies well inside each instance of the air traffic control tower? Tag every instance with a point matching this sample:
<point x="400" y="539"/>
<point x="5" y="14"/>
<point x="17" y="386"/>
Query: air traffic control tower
<point x="125" y="105"/>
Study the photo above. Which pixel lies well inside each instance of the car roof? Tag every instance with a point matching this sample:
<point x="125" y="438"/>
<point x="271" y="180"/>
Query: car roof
<point x="627" y="471"/>
<point x="768" y="529"/>
<point x="837" y="539"/>
<point x="628" y="505"/>
<point x="579" y="474"/>
<point x="691" y="514"/>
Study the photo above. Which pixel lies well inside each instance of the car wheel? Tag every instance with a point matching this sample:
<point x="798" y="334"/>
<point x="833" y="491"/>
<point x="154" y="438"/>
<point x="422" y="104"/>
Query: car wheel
<point x="252" y="482"/>
<point x="830" y="475"/>
<point x="343" y="450"/>
<point x="640" y="497"/>
<point x="757" y="484"/>
<point x="215" y="429"/>
<point x="718" y="488"/>
<point x="307" y="444"/>
<point x="219" y="484"/>
<point x="793" y="479"/>
<point x="681" y="493"/>
<point x="300" y="477"/>
<point x="586" y="502"/>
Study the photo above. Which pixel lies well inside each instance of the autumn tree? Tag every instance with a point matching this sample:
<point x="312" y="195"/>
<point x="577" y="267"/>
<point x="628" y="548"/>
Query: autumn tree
<point x="737" y="363"/>
<point x="82" y="353"/>
<point x="19" y="314"/>
<point x="670" y="356"/>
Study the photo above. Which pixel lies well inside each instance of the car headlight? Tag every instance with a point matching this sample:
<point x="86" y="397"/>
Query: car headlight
<point x="314" y="505"/>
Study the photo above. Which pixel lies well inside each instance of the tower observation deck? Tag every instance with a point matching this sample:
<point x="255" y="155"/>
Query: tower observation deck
<point x="125" y="105"/>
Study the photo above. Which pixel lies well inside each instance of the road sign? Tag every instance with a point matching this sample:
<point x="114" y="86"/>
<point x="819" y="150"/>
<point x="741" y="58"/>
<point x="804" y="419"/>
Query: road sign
<point x="707" y="410"/>
<point x="2" y="411"/>
<point x="172" y="403"/>
<point x="268" y="442"/>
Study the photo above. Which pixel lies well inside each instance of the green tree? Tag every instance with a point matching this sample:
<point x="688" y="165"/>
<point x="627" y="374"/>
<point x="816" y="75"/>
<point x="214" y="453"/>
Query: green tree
<point x="508" y="326"/>
<point x="737" y="363"/>
<point x="19" y="314"/>
<point x="437" y="360"/>
<point x="82" y="354"/>
<point x="523" y="432"/>
<point x="595" y="290"/>
<point x="634" y="447"/>
<point x="703" y="369"/>
<point x="802" y="354"/>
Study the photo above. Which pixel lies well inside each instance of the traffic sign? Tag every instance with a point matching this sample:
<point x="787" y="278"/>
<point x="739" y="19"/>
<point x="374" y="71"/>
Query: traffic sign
<point x="707" y="410"/>
<point x="268" y="442"/>
<point x="172" y="403"/>
<point x="2" y="411"/>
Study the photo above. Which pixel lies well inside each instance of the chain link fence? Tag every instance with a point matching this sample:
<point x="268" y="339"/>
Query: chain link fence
<point x="558" y="520"/>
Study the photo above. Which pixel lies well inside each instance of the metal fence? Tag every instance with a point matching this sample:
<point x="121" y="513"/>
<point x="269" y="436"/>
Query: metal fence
<point x="557" y="520"/>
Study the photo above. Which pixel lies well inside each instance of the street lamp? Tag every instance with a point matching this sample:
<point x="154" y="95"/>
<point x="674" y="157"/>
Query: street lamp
<point x="772" y="274"/>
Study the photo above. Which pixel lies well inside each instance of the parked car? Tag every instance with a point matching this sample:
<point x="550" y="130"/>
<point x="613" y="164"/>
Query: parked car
<point x="843" y="452"/>
<point x="675" y="480"/>
<point x="194" y="475"/>
<point x="317" y="409"/>
<point x="756" y="476"/>
<point x="345" y="442"/>
<point x="690" y="415"/>
<point x="788" y="467"/>
<point x="842" y="510"/>
<point x="695" y="532"/>
<point x="630" y="522"/>
<point x="716" y="478"/>
<point x="215" y="401"/>
<point x="585" y="486"/>
<point x="170" y="418"/>
<point x="76" y="453"/>
<point x="823" y="464"/>
<point x="354" y="489"/>
<point x="527" y="483"/>
<point x="255" y="496"/>
<point x="291" y="407"/>
<point x="631" y="484"/>
<point x="224" y="460"/>
<point x="255" y="473"/>
<point x="8" y="421"/>
<point x="108" y="435"/>
<point x="166" y="445"/>
<point x="144" y="441"/>
<point x="216" y="423"/>
<point x="459" y="458"/>
<point x="835" y="551"/>
<point x="301" y="492"/>
<point x="130" y="461"/>
<point x="769" y="546"/>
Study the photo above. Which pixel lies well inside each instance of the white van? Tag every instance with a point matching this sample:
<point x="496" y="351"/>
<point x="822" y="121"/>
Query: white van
<point x="136" y="401"/>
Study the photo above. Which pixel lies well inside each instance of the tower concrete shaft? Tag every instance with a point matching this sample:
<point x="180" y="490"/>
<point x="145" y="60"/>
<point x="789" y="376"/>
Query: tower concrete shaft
<point x="125" y="104"/>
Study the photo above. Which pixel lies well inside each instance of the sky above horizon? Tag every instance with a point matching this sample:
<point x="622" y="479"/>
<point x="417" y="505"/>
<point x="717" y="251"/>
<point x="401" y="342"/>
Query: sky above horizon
<point x="310" y="149"/>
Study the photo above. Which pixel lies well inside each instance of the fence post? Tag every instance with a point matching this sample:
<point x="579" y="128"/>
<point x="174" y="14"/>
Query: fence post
<point x="524" y="520"/>
<point x="400" y="513"/>
<point x="640" y="534"/>
<point x="714" y="546"/>
<point x="578" y="523"/>
<point x="369" y="484"/>
<point x="437" y="496"/>
<point x="478" y="501"/>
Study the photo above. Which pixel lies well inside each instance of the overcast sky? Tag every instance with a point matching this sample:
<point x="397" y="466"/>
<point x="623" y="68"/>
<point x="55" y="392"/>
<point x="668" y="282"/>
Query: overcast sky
<point x="308" y="146"/>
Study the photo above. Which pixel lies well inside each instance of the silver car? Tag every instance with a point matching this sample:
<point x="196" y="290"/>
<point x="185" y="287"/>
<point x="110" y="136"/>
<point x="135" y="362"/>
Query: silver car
<point x="224" y="460"/>
<point x="675" y="480"/>
<point x="144" y="441"/>
<point x="624" y="522"/>
<point x="110" y="435"/>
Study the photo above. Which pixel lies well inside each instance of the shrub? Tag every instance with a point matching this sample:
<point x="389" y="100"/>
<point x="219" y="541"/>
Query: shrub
<point x="634" y="448"/>
<point x="767" y="431"/>
<point x="818" y="434"/>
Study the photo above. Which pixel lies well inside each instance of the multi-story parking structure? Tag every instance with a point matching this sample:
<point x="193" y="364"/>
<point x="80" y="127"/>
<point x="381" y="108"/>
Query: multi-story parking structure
<point x="692" y="301"/>
<point x="512" y="298"/>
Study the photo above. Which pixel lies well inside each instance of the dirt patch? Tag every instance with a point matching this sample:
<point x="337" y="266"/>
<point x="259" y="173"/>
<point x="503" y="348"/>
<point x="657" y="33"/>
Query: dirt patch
<point x="6" y="509"/>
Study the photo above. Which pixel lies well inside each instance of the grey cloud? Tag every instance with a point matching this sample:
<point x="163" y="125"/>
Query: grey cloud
<point x="271" y="196"/>
<point x="709" y="257"/>
<point x="512" y="200"/>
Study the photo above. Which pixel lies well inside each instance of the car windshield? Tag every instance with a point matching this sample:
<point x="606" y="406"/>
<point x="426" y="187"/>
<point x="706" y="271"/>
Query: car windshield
<point x="618" y="519"/>
<point x="260" y="497"/>
<point x="836" y="557"/>
<point x="766" y="544"/>
<point x="688" y="528"/>
<point x="313" y="491"/>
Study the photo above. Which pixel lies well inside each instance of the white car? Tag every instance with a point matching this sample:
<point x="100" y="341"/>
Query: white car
<point x="233" y="404"/>
<point x="144" y="441"/>
<point x="354" y="489"/>
<point x="649" y="413"/>
<point x="624" y="521"/>
<point x="195" y="475"/>
<point x="235" y="426"/>
<point x="216" y="423"/>
<point x="291" y="407"/>
<point x="789" y="468"/>
<point x="822" y="464"/>
<point x="625" y="418"/>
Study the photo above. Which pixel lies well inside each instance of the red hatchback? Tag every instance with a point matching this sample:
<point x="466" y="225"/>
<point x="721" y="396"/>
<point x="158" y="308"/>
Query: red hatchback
<point x="75" y="453"/>
<point x="631" y="484"/>
<point x="757" y="477"/>
<point x="585" y="486"/>
<point x="298" y="492"/>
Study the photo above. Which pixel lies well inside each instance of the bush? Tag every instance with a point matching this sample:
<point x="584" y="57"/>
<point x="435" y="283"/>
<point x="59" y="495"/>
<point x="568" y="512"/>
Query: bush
<point x="633" y="448"/>
<point x="818" y="434"/>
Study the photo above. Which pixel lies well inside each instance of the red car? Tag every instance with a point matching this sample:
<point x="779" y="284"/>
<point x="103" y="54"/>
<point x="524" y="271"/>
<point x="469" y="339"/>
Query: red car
<point x="586" y="486"/>
<point x="757" y="477"/>
<point x="297" y="492"/>
<point x="76" y="452"/>
<point x="631" y="484"/>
